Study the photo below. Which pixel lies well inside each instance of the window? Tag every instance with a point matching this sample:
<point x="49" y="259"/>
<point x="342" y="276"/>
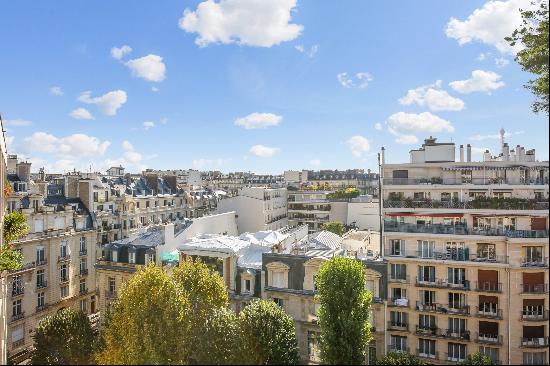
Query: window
<point x="18" y="335"/>
<point x="40" y="255"/>
<point x="112" y="285"/>
<point x="533" y="254"/>
<point x="17" y="285"/>
<point x="17" y="308"/>
<point x="457" y="300"/>
<point x="399" y="293"/>
<point x="486" y="251"/>
<point x="398" y="343"/>
<point x="83" y="249"/>
<point x="427" y="297"/>
<point x="82" y="286"/>
<point x="534" y="358"/>
<point x="398" y="271"/>
<point x="426" y="348"/>
<point x="41" y="299"/>
<point x="40" y="278"/>
<point x="247" y="285"/>
<point x="63" y="249"/>
<point x="131" y="257"/>
<point x="426" y="321"/>
<point x="278" y="279"/>
<point x="84" y="305"/>
<point x="426" y="248"/>
<point x="457" y="276"/>
<point x="457" y="326"/>
<point x="456" y="352"/>
<point x="426" y="274"/>
<point x="279" y="302"/>
<point x="313" y="346"/>
<point x="372" y="356"/>
<point x="150" y="258"/>
<point x="488" y="307"/>
<point x="64" y="291"/>
<point x="492" y="353"/>
<point x="456" y="251"/>
<point x="397" y="247"/>
<point x="398" y="319"/>
<point x="83" y="269"/>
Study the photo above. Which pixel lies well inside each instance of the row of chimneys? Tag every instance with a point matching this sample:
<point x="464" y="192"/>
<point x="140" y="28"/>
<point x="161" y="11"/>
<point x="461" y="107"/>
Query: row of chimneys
<point x="468" y="153"/>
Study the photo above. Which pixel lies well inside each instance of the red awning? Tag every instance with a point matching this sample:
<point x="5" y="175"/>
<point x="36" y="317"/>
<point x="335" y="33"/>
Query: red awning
<point x="425" y="214"/>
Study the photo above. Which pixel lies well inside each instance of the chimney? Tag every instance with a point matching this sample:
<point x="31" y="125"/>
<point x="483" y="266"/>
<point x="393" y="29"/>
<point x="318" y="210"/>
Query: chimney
<point x="469" y="153"/>
<point x="461" y="153"/>
<point x="506" y="152"/>
<point x="382" y="156"/>
<point x="486" y="156"/>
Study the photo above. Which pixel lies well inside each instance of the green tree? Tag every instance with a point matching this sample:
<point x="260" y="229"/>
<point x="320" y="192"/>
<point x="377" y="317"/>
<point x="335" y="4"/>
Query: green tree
<point x="206" y="293"/>
<point x="400" y="358"/>
<point x="65" y="338"/>
<point x="477" y="358"/>
<point x="533" y="57"/>
<point x="334" y="227"/>
<point x="268" y="335"/>
<point x="343" y="312"/>
<point x="14" y="227"/>
<point x="146" y="325"/>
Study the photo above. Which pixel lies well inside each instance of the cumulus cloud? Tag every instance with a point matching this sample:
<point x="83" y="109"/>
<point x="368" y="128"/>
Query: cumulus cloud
<point x="264" y="151"/>
<point x="17" y="123"/>
<point x="490" y="24"/>
<point x="501" y="62"/>
<point x="56" y="91"/>
<point x="245" y="22"/>
<point x="361" y="80"/>
<point x="119" y="52"/>
<point x="483" y="56"/>
<point x="150" y="68"/>
<point x="378" y="126"/>
<point x="81" y="113"/>
<point x="358" y="145"/>
<point x="202" y="163"/>
<point x="308" y="52"/>
<point x="481" y="81"/>
<point x="108" y="103"/>
<point x="148" y="125"/>
<point x="154" y="89"/>
<point x="433" y="97"/>
<point x="405" y="125"/>
<point x="258" y="120"/>
<point x="73" y="146"/>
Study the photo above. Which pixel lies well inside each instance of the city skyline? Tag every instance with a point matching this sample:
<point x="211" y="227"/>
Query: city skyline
<point x="167" y="86"/>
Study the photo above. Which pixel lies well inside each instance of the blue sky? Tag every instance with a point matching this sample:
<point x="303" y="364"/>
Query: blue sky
<point x="325" y="84"/>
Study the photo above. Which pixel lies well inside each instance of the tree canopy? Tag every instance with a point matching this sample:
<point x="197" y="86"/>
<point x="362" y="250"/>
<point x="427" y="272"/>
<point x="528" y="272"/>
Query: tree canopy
<point x="14" y="227"/>
<point x="347" y="193"/>
<point x="65" y="338"/>
<point x="400" y="358"/>
<point x="477" y="358"/>
<point x="344" y="311"/>
<point x="533" y="57"/>
<point x="334" y="227"/>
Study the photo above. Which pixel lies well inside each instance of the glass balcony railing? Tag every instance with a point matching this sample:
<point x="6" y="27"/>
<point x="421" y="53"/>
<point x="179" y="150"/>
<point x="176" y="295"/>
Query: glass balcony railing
<point x="461" y="181"/>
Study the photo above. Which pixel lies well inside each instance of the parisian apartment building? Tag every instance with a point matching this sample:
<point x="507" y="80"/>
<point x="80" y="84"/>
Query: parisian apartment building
<point x="467" y="249"/>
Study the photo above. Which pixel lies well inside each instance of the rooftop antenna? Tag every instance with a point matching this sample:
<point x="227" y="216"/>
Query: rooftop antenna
<point x="502" y="133"/>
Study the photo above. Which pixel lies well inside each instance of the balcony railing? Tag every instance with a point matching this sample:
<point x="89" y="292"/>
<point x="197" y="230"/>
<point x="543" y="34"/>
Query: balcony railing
<point x="486" y="338"/>
<point x="534" y="262"/>
<point x="83" y="252"/>
<point x="459" y="310"/>
<point x="83" y="291"/>
<point x="18" y="291"/>
<point x="440" y="283"/>
<point x="42" y="262"/>
<point x="392" y="348"/>
<point x="489" y="204"/>
<point x="83" y="272"/>
<point x="488" y="287"/>
<point x="16" y="317"/>
<point x="433" y="307"/>
<point x="455" y="358"/>
<point x="42" y="284"/>
<point x="398" y="326"/>
<point x="41" y="308"/>
<point x="428" y="332"/>
<point x="460" y="181"/>
<point x="424" y="354"/>
<point x="463" y="335"/>
<point x="488" y="314"/>
<point x="459" y="256"/>
<point x="65" y="258"/>
<point x="403" y="303"/>
<point x="64" y="279"/>
<point x="535" y="315"/>
<point x="541" y="288"/>
<point x="399" y="279"/>
<point x="461" y="229"/>
<point x="110" y="294"/>
<point x="534" y="342"/>
<point x="18" y="343"/>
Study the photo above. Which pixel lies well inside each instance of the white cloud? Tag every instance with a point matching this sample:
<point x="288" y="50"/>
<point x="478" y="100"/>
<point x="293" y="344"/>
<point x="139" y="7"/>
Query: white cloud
<point x="148" y="124"/>
<point x="154" y="89"/>
<point x="378" y="126"/>
<point x="81" y="113"/>
<point x="17" y="123"/>
<point x="315" y="162"/>
<point x="73" y="146"/>
<point x="56" y="90"/>
<point x="481" y="81"/>
<point x="308" y="52"/>
<point x="496" y="136"/>
<point x="202" y="163"/>
<point x="150" y="68"/>
<point x="501" y="62"/>
<point x="108" y="103"/>
<point x="245" y="22"/>
<point x="483" y="56"/>
<point x="119" y="52"/>
<point x="432" y="97"/>
<point x="361" y="81"/>
<point x="405" y="125"/>
<point x="358" y="145"/>
<point x="489" y="24"/>
<point x="264" y="151"/>
<point x="130" y="156"/>
<point x="258" y="120"/>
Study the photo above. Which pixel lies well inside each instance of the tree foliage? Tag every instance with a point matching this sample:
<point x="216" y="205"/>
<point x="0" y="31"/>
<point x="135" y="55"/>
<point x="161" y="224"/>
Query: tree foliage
<point x="348" y="193"/>
<point x="400" y="358"/>
<point x="533" y="36"/>
<point x="65" y="338"/>
<point x="334" y="227"/>
<point x="268" y="335"/>
<point x="344" y="311"/>
<point x="147" y="323"/>
<point x="14" y="227"/>
<point x="477" y="358"/>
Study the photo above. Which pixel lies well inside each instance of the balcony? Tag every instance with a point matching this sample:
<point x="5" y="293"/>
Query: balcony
<point x="462" y="255"/>
<point x="488" y="204"/>
<point x="65" y="258"/>
<point x="431" y="308"/>
<point x="429" y="356"/>
<point x="534" y="262"/>
<point x="41" y="262"/>
<point x="439" y="283"/>
<point x="110" y="294"/>
<point x="488" y="339"/>
<point x="83" y="252"/>
<point x="400" y="303"/>
<point x="18" y="291"/>
<point x="41" y="308"/>
<point x="459" y="310"/>
<point x="83" y="272"/>
<point x="534" y="316"/>
<point x="393" y="348"/>
<point x="541" y="288"/>
<point x="398" y="279"/>
<point x="489" y="314"/>
<point x="19" y="316"/>
<point x="42" y="284"/>
<point x="458" y="335"/>
<point x="83" y="291"/>
<point x="428" y="332"/>
<point x="398" y="326"/>
<point x="460" y="181"/>
<point x="18" y="343"/>
<point x="455" y="358"/>
<point x="63" y="279"/>
<point x="541" y="342"/>
<point x="488" y="287"/>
